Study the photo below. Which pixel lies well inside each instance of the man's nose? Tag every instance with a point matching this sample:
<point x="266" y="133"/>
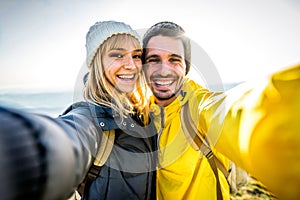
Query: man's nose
<point x="165" y="68"/>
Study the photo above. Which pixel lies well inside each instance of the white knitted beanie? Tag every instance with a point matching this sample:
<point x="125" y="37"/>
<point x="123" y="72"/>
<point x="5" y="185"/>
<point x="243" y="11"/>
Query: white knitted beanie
<point x="100" y="32"/>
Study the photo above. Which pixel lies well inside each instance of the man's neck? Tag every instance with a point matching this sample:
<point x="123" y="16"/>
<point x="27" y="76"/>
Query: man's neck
<point x="165" y="102"/>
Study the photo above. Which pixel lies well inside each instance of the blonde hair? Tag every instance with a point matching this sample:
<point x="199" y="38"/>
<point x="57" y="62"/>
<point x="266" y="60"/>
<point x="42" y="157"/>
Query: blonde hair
<point x="100" y="91"/>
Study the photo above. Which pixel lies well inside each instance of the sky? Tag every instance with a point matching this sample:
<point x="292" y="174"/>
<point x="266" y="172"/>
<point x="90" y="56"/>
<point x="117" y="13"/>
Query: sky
<point x="42" y="42"/>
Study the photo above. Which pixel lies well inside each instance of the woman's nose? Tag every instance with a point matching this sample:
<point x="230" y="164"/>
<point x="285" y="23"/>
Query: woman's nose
<point x="129" y="63"/>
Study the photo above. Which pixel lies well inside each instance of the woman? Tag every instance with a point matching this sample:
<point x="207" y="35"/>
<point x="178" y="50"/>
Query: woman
<point x="57" y="153"/>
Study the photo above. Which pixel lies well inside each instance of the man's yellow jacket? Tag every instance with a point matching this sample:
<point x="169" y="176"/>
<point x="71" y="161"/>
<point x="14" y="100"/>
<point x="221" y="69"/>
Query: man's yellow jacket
<point x="256" y="125"/>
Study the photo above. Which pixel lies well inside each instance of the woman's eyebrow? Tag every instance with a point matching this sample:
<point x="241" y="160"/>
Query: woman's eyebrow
<point x="122" y="49"/>
<point x="137" y="50"/>
<point x="118" y="48"/>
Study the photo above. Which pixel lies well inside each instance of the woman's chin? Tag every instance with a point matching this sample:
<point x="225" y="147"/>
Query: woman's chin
<point x="126" y="88"/>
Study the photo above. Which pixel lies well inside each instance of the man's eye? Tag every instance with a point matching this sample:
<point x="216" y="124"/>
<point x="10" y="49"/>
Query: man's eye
<point x="175" y="60"/>
<point x="152" y="60"/>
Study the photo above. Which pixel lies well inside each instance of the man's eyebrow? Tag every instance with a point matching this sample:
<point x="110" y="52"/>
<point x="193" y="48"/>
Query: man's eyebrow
<point x="157" y="56"/>
<point x="176" y="55"/>
<point x="152" y="56"/>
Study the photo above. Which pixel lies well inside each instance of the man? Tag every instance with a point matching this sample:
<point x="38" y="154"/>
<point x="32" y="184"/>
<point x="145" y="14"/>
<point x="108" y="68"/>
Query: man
<point x="241" y="124"/>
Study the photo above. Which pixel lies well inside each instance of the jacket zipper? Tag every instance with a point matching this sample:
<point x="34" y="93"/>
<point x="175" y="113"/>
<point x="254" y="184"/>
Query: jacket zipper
<point x="162" y="123"/>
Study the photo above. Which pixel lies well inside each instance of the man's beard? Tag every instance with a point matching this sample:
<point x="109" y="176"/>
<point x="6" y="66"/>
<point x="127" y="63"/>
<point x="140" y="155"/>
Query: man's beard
<point x="157" y="96"/>
<point x="164" y="98"/>
<point x="175" y="93"/>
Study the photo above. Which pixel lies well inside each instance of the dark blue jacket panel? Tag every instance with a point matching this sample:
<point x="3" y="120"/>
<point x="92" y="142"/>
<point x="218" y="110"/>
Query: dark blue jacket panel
<point x="59" y="152"/>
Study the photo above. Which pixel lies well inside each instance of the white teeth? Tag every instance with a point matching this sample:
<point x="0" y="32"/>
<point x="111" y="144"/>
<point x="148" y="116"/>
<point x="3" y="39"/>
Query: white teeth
<point x="126" y="76"/>
<point x="163" y="82"/>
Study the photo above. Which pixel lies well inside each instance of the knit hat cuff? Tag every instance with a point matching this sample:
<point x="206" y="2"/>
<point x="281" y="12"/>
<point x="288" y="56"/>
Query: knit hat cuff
<point x="100" y="32"/>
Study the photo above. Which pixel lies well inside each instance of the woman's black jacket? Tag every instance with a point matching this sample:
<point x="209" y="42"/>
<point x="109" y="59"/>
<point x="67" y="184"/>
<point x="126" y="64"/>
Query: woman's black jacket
<point x="46" y="158"/>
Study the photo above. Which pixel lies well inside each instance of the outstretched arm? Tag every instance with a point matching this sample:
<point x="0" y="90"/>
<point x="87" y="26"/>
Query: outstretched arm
<point x="42" y="157"/>
<point x="259" y="129"/>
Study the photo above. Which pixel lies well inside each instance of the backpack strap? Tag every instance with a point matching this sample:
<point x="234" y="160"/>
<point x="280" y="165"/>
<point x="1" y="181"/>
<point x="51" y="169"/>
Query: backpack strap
<point x="200" y="143"/>
<point x="106" y="146"/>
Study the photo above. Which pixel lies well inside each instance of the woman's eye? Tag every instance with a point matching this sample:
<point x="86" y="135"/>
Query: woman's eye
<point x="116" y="55"/>
<point x="137" y="56"/>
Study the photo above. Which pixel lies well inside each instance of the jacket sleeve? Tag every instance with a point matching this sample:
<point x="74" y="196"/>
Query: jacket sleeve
<point x="257" y="126"/>
<point x="43" y="157"/>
